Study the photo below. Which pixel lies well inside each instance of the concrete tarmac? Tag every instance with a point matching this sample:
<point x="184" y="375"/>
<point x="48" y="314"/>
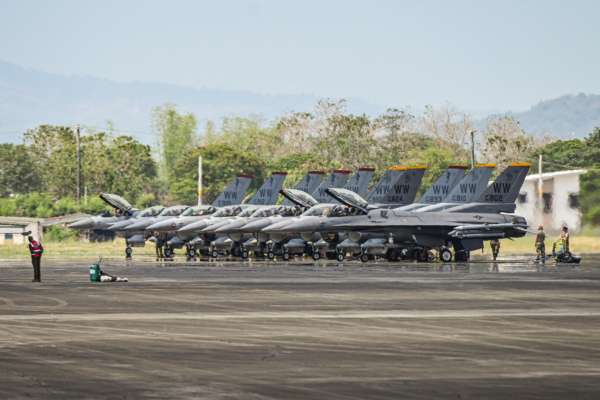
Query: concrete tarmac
<point x="300" y="330"/>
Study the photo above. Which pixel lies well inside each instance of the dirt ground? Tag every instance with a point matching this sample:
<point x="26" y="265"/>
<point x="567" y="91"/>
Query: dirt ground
<point x="274" y="330"/>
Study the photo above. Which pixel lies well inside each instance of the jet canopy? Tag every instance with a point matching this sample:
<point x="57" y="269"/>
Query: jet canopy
<point x="249" y="211"/>
<point x="173" y="211"/>
<point x="348" y="198"/>
<point x="320" y="209"/>
<point x="152" y="211"/>
<point x="196" y="211"/>
<point x="229" y="211"/>
<point x="117" y="202"/>
<point x="299" y="197"/>
<point x="269" y="211"/>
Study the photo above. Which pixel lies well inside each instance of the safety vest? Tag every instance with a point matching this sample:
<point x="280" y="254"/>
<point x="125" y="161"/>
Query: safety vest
<point x="37" y="249"/>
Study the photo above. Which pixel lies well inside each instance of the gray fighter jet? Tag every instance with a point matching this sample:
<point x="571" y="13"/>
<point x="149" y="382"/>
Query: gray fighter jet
<point x="268" y="193"/>
<point x="403" y="191"/>
<point x="246" y="241"/>
<point x="123" y="211"/>
<point x="389" y="231"/>
<point x="232" y="195"/>
<point x="249" y="240"/>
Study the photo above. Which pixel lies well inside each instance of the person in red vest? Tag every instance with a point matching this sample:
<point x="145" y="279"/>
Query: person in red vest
<point x="36" y="249"/>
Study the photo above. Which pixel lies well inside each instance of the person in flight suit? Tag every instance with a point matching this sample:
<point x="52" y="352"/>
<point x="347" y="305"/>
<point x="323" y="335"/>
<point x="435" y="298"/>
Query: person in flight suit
<point x="540" y="246"/>
<point x="495" y="245"/>
<point x="36" y="249"/>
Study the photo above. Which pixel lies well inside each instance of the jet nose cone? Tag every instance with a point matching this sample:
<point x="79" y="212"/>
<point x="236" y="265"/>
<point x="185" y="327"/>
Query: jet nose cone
<point x="233" y="227"/>
<point x="141" y="225"/>
<point x="86" y="223"/>
<point x="279" y="226"/>
<point x="301" y="225"/>
<point x="257" y="225"/>
<point x="120" y="225"/>
<point x="193" y="227"/>
<point x="162" y="226"/>
<point x="211" y="227"/>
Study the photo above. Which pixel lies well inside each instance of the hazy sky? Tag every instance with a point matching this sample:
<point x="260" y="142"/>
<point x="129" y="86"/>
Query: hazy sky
<point x="504" y="55"/>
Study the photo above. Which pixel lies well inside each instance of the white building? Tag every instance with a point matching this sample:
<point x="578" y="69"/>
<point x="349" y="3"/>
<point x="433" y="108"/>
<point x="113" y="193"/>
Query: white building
<point x="558" y="205"/>
<point x="9" y="226"/>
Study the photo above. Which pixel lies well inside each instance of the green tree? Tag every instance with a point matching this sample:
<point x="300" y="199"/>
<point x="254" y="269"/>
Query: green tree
<point x="55" y="150"/>
<point x="220" y="164"/>
<point x="175" y="134"/>
<point x="576" y="154"/>
<point x="19" y="172"/>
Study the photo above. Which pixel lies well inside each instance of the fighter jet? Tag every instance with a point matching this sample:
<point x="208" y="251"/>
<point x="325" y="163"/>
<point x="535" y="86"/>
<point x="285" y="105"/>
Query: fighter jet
<point x="375" y="232"/>
<point x="267" y="194"/>
<point x="403" y="191"/>
<point x="249" y="240"/>
<point x="232" y="195"/>
<point x="123" y="211"/>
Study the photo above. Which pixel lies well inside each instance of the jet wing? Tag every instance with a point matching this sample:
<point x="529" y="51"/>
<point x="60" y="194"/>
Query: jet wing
<point x="117" y="202"/>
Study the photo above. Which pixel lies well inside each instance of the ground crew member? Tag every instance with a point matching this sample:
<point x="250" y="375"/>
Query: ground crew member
<point x="158" y="245"/>
<point x="564" y="238"/>
<point x="540" y="246"/>
<point x="495" y="245"/>
<point x="36" y="249"/>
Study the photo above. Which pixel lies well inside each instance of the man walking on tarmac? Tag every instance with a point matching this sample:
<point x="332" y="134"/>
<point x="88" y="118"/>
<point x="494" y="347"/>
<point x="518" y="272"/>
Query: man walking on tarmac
<point x="36" y="249"/>
<point x="495" y="245"/>
<point x="540" y="246"/>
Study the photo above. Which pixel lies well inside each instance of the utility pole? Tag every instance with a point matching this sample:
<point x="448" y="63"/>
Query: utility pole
<point x="540" y="181"/>
<point x="78" y="128"/>
<point x="472" y="132"/>
<point x="199" y="181"/>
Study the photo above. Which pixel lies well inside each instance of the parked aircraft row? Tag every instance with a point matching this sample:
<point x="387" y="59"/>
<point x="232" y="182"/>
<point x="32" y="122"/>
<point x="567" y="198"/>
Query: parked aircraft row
<point x="320" y="218"/>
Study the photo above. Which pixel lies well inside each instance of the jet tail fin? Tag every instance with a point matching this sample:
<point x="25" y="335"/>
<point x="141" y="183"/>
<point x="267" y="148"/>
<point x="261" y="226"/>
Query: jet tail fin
<point x="405" y="189"/>
<point x="384" y="184"/>
<point x="471" y="186"/>
<point x="335" y="180"/>
<point x="507" y="186"/>
<point x="269" y="191"/>
<point x="443" y="185"/>
<point x="308" y="184"/>
<point x="360" y="181"/>
<point x="235" y="192"/>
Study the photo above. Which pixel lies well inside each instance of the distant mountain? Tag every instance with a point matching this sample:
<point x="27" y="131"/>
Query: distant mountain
<point x="29" y="98"/>
<point x="566" y="117"/>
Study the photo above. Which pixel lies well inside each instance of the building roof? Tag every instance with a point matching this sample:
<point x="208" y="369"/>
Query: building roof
<point x="63" y="219"/>
<point x="19" y="220"/>
<point x="552" y="175"/>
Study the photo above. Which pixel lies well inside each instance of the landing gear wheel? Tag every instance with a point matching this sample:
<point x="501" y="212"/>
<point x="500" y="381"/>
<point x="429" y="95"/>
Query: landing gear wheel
<point x="286" y="256"/>
<point x="168" y="252"/>
<point x="461" y="256"/>
<point x="340" y="257"/>
<point x="128" y="251"/>
<point x="392" y="256"/>
<point x="422" y="255"/>
<point x="270" y="255"/>
<point x="364" y="258"/>
<point x="330" y="255"/>
<point x="446" y="255"/>
<point x="214" y="254"/>
<point x="191" y="252"/>
<point x="259" y="254"/>
<point x="244" y="254"/>
<point x="236" y="252"/>
<point x="316" y="256"/>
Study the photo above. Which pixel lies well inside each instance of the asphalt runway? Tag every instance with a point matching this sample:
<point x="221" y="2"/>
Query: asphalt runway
<point x="300" y="330"/>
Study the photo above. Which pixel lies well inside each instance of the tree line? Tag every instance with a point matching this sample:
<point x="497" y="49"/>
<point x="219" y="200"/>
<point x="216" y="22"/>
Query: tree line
<point x="326" y="138"/>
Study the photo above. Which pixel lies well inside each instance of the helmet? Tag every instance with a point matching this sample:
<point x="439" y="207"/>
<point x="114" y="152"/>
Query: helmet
<point x="565" y="228"/>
